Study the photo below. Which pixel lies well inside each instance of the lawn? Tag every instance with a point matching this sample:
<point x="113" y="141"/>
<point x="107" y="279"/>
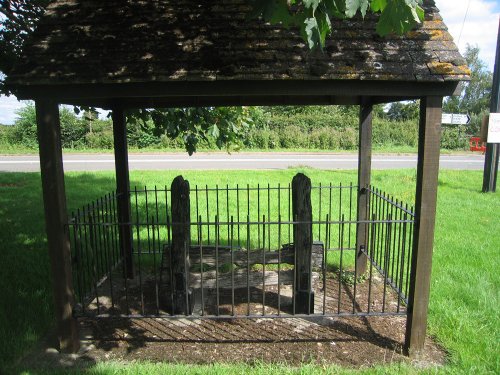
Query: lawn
<point x="465" y="290"/>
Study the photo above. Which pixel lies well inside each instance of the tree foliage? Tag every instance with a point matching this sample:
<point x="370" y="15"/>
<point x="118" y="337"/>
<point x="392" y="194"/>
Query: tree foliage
<point x="18" y="19"/>
<point x="403" y="111"/>
<point x="225" y="125"/>
<point x="476" y="94"/>
<point x="313" y="17"/>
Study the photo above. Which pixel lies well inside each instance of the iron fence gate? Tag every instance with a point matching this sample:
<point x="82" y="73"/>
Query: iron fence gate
<point x="238" y="257"/>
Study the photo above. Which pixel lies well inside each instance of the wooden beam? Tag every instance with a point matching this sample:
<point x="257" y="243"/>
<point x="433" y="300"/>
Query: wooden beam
<point x="143" y="91"/>
<point x="425" y="214"/>
<point x="56" y="220"/>
<point x="364" y="180"/>
<point x="123" y="189"/>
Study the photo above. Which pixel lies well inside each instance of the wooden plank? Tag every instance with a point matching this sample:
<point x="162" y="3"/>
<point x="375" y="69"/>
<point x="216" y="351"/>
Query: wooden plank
<point x="54" y="200"/>
<point x="144" y="91"/>
<point x="181" y="241"/>
<point x="240" y="279"/>
<point x="255" y="257"/>
<point x="364" y="180"/>
<point x="425" y="214"/>
<point x="302" y="239"/>
<point x="122" y="189"/>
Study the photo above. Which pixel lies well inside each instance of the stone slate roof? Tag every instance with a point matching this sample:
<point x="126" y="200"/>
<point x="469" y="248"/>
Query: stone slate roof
<point x="96" y="41"/>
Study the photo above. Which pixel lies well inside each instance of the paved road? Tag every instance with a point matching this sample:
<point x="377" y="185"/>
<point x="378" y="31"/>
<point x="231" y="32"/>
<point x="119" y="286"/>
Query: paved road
<point x="95" y="162"/>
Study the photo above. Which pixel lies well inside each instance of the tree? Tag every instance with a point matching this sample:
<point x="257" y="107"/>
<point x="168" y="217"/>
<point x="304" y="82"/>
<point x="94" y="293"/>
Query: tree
<point x="73" y="129"/>
<point x="475" y="96"/>
<point x="18" y="19"/>
<point x="225" y="125"/>
<point x="402" y="111"/>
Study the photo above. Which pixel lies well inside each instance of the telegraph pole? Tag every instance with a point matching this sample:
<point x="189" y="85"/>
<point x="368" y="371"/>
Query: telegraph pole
<point x="492" y="149"/>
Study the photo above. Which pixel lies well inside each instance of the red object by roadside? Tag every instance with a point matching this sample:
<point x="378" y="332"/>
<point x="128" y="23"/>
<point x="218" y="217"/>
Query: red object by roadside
<point x="476" y="144"/>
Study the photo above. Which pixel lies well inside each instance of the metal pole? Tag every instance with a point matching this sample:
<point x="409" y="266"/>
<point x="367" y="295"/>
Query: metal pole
<point x="492" y="149"/>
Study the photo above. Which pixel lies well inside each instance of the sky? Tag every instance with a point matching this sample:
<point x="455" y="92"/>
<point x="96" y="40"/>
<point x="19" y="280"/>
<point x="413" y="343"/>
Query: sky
<point x="480" y="28"/>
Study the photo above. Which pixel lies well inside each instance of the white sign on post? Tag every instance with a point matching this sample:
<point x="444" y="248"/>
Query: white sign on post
<point x="494" y="128"/>
<point x="455" y="119"/>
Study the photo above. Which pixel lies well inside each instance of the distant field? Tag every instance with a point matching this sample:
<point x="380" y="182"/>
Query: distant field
<point x="465" y="284"/>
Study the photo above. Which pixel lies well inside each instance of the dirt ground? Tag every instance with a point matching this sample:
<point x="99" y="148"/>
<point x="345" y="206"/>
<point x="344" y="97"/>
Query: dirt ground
<point x="347" y="341"/>
<point x="351" y="342"/>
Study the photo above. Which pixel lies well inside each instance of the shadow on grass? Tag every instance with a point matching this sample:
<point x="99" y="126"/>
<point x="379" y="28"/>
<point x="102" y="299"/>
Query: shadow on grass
<point x="26" y="311"/>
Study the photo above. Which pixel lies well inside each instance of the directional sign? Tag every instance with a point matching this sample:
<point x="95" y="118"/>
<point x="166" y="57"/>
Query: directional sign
<point x="494" y="128"/>
<point x="455" y="119"/>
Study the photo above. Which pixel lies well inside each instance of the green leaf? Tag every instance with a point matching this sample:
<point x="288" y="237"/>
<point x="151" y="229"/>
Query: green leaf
<point x="324" y="27"/>
<point x="352" y="7"/>
<point x="420" y="13"/>
<point x="335" y="8"/>
<point x="312" y="4"/>
<point x="378" y="5"/>
<point x="399" y="17"/>
<point x="214" y="131"/>
<point x="311" y="31"/>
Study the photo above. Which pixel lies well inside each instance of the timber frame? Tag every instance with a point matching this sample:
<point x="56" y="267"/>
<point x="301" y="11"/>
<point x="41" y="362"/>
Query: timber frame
<point x="121" y="95"/>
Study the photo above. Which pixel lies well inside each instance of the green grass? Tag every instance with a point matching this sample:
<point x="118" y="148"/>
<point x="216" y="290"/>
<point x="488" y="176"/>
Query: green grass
<point x="463" y="314"/>
<point x="117" y="368"/>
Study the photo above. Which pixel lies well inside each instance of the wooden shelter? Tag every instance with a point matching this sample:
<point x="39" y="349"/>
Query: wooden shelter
<point x="142" y="54"/>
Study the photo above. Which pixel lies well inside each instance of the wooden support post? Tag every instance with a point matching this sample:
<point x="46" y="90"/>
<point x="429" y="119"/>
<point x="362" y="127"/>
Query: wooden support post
<point x="364" y="180"/>
<point x="56" y="220"/>
<point x="181" y="242"/>
<point x="425" y="211"/>
<point x="302" y="239"/>
<point x="123" y="190"/>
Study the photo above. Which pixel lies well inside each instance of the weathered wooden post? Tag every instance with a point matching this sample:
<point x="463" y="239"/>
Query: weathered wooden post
<point x="425" y="215"/>
<point x="364" y="178"/>
<point x="54" y="200"/>
<point x="123" y="190"/>
<point x="302" y="239"/>
<point x="181" y="240"/>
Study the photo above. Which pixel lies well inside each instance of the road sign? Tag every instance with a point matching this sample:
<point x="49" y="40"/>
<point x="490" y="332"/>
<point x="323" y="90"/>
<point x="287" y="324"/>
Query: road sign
<point x="494" y="128"/>
<point x="455" y="119"/>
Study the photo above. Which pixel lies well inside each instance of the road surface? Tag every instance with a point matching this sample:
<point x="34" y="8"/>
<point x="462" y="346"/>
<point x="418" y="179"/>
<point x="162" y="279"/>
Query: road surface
<point x="218" y="160"/>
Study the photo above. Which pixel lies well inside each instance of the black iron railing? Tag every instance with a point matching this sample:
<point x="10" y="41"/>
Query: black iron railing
<point x="241" y="256"/>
